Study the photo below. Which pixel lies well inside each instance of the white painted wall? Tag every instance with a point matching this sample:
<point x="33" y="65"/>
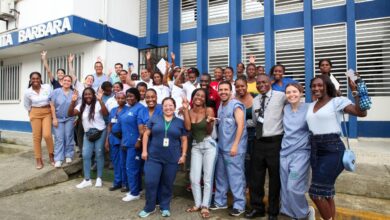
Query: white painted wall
<point x="124" y="10"/>
<point x="379" y="110"/>
<point x="119" y="53"/>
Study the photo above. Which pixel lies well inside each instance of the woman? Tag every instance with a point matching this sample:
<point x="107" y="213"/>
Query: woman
<point x="112" y="102"/>
<point x="132" y="123"/>
<point x="251" y="79"/>
<point x="204" y="149"/>
<point x="151" y="102"/>
<point x="91" y="111"/>
<point x="142" y="87"/>
<point x="279" y="82"/>
<point x="60" y="101"/>
<point x="218" y="77"/>
<point x="60" y="72"/>
<point x="325" y="66"/>
<point x="36" y="102"/>
<point x="162" y="90"/>
<point x="246" y="98"/>
<point x="113" y="141"/>
<point x="327" y="149"/>
<point x="294" y="156"/>
<point x="228" y="73"/>
<point x="162" y="152"/>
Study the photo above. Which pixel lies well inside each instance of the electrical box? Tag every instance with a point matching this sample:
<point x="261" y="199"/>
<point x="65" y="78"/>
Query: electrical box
<point x="7" y="9"/>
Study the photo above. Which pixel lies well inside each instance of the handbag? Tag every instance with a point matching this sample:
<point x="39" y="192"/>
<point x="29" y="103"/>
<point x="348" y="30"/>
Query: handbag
<point x="349" y="158"/>
<point x="93" y="134"/>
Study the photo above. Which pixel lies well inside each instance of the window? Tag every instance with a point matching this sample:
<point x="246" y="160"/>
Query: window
<point x="61" y="62"/>
<point x="142" y="17"/>
<point x="10" y="83"/>
<point x="188" y="54"/>
<point x="327" y="3"/>
<point x="253" y="44"/>
<point x="252" y="9"/>
<point x="373" y="55"/>
<point x="218" y="54"/>
<point x="218" y="11"/>
<point x="188" y="14"/>
<point x="288" y="6"/>
<point x="157" y="54"/>
<point x="330" y="43"/>
<point x="289" y="49"/>
<point x="163" y="16"/>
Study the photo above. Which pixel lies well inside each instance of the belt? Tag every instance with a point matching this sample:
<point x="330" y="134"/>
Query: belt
<point x="46" y="106"/>
<point x="271" y="138"/>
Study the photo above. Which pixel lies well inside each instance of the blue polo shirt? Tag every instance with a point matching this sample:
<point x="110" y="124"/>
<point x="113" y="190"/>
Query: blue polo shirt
<point x="129" y="121"/>
<point x="114" y="116"/>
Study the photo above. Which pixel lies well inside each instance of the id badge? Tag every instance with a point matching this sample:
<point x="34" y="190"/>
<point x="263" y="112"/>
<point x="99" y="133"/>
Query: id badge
<point x="114" y="120"/>
<point x="166" y="142"/>
<point x="260" y="119"/>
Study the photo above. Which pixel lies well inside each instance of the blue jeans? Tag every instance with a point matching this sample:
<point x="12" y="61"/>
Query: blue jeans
<point x="64" y="142"/>
<point x="88" y="148"/>
<point x="203" y="157"/>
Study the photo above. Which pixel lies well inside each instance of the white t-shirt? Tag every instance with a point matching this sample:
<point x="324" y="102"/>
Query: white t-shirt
<point x="188" y="88"/>
<point x="97" y="122"/>
<point x="111" y="103"/>
<point x="149" y="84"/>
<point x="176" y="93"/>
<point x="325" y="120"/>
<point x="162" y="92"/>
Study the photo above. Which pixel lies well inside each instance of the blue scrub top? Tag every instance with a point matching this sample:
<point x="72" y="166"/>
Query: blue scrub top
<point x="285" y="82"/>
<point x="115" y="125"/>
<point x="156" y="150"/>
<point x="157" y="111"/>
<point x="61" y="103"/>
<point x="129" y="121"/>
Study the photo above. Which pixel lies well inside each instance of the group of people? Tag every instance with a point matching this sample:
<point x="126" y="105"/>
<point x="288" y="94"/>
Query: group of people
<point x="231" y="131"/>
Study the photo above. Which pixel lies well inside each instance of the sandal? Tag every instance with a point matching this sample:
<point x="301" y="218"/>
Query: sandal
<point x="193" y="209"/>
<point x="205" y="213"/>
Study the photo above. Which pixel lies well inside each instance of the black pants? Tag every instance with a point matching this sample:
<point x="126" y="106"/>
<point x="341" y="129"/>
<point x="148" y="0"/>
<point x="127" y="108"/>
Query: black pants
<point x="265" y="155"/>
<point x="79" y="134"/>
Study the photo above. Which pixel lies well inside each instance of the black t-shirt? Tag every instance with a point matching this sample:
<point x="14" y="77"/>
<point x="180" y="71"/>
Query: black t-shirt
<point x="55" y="84"/>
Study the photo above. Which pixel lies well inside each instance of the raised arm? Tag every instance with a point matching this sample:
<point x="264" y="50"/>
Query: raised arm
<point x="46" y="65"/>
<point x="173" y="57"/>
<point x="149" y="66"/>
<point x="71" y="68"/>
<point x="103" y="109"/>
<point x="178" y="82"/>
<point x="354" y="109"/>
<point x="186" y="114"/>
<point x="71" y="110"/>
<point x="167" y="74"/>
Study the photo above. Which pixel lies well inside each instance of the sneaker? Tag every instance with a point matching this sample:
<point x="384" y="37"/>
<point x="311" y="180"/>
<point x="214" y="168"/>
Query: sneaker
<point x="165" y="213"/>
<point x="216" y="207"/>
<point x="58" y="164"/>
<point x="98" y="182"/>
<point x="236" y="212"/>
<point x="84" y="184"/>
<point x="312" y="213"/>
<point x="144" y="214"/>
<point x="130" y="197"/>
<point x="68" y="160"/>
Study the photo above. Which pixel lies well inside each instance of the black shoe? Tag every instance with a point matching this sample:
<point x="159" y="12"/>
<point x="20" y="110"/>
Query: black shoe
<point x="236" y="212"/>
<point x="272" y="217"/>
<point x="254" y="213"/>
<point x="124" y="189"/>
<point x="113" y="188"/>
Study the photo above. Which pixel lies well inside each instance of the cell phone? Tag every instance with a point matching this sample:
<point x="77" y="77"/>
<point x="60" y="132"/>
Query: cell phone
<point x="351" y="74"/>
<point x="130" y="64"/>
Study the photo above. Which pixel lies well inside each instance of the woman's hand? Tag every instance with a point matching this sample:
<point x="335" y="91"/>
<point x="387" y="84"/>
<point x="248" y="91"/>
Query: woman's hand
<point x="138" y="144"/>
<point x="43" y="55"/>
<point x="70" y="58"/>
<point x="99" y="95"/>
<point x="107" y="146"/>
<point x="144" y="155"/>
<point x="55" y="122"/>
<point x="211" y="119"/>
<point x="182" y="159"/>
<point x="75" y="96"/>
<point x="352" y="85"/>
<point x="185" y="103"/>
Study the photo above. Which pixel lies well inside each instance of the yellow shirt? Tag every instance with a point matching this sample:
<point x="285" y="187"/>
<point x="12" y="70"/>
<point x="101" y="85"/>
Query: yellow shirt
<point x="252" y="88"/>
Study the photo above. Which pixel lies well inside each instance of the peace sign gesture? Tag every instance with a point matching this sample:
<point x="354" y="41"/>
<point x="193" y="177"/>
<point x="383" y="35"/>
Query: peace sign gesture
<point x="185" y="103"/>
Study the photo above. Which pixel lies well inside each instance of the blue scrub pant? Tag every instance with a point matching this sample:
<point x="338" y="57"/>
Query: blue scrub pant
<point x="294" y="179"/>
<point x="133" y="170"/>
<point x="230" y="173"/>
<point x="159" y="179"/>
<point x="88" y="148"/>
<point x="64" y="140"/>
<point x="115" y="156"/>
<point x="123" y="158"/>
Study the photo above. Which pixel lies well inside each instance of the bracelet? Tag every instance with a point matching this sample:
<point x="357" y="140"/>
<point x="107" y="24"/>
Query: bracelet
<point x="139" y="139"/>
<point x="355" y="93"/>
<point x="184" y="155"/>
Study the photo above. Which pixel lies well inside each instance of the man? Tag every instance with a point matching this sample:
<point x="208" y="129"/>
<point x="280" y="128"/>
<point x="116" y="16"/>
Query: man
<point x="232" y="137"/>
<point x="123" y="79"/>
<point x="267" y="115"/>
<point x="99" y="76"/>
<point x="116" y="76"/>
<point x="213" y="97"/>
<point x="192" y="83"/>
<point x="240" y="70"/>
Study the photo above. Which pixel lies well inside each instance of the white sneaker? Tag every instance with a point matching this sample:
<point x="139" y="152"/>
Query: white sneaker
<point x="58" y="164"/>
<point x="84" y="184"/>
<point x="130" y="197"/>
<point x="312" y="213"/>
<point x="68" y="160"/>
<point x="98" y="182"/>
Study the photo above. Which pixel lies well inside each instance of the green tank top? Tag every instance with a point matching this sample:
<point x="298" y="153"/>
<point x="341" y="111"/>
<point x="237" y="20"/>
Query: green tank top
<point x="199" y="130"/>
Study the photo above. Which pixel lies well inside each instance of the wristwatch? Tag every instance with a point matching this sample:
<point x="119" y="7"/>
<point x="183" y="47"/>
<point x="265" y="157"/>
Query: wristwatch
<point x="355" y="93"/>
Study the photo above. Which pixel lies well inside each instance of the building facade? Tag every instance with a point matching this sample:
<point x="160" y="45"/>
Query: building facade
<point x="354" y="34"/>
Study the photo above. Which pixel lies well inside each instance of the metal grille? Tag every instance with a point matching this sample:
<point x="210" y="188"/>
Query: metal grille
<point x="218" y="11"/>
<point x="188" y="54"/>
<point x="253" y="45"/>
<point x="289" y="49"/>
<point x="327" y="3"/>
<point x="10" y="83"/>
<point x="163" y="16"/>
<point x="252" y="9"/>
<point x="61" y="62"/>
<point x="218" y="54"/>
<point x="142" y="17"/>
<point x="373" y="55"/>
<point x="157" y="54"/>
<point x="188" y="14"/>
<point x="330" y="43"/>
<point x="288" y="6"/>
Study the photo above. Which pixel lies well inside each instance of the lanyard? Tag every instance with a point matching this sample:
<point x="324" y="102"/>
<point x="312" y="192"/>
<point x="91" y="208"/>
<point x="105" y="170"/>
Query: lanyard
<point x="167" y="125"/>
